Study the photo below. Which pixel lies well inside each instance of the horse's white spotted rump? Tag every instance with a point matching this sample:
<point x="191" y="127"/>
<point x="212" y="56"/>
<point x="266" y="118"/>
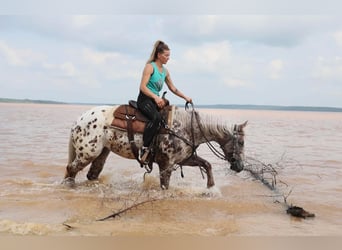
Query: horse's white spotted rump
<point x="92" y="138"/>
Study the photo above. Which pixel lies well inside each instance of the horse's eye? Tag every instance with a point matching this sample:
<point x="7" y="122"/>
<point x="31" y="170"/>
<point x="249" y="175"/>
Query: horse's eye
<point x="241" y="143"/>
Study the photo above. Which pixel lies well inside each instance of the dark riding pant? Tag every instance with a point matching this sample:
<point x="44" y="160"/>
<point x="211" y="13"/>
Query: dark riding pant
<point x="150" y="109"/>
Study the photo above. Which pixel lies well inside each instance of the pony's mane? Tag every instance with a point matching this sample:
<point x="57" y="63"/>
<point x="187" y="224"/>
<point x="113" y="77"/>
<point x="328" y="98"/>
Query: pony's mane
<point x="211" y="123"/>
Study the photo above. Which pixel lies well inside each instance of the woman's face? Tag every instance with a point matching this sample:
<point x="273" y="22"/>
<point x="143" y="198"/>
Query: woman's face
<point x="164" y="56"/>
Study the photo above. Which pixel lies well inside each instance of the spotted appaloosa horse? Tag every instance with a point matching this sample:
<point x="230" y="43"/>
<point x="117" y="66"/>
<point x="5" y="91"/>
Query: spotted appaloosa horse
<point x="92" y="138"/>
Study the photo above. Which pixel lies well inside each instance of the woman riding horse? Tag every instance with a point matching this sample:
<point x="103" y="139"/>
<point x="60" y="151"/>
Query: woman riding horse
<point x="149" y="101"/>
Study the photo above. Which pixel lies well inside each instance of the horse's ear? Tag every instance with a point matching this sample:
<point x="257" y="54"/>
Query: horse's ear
<point x="244" y="124"/>
<point x="240" y="127"/>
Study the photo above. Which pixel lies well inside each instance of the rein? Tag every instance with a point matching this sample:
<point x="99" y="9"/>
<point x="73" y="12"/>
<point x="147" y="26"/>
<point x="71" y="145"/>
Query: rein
<point x="212" y="148"/>
<point x="194" y="115"/>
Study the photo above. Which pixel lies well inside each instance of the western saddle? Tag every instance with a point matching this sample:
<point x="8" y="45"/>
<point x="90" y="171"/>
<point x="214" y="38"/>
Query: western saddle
<point x="127" y="117"/>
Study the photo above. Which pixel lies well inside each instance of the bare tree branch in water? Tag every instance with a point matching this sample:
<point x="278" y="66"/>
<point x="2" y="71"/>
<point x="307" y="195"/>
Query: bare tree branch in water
<point x="126" y="209"/>
<point x="137" y="197"/>
<point x="263" y="172"/>
<point x="267" y="174"/>
<point x="68" y="227"/>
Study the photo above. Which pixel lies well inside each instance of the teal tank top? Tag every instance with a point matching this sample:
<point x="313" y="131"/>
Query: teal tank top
<point x="157" y="79"/>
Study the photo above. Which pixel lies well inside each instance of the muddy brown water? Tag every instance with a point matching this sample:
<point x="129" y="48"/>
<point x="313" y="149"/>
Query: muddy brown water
<point x="306" y="146"/>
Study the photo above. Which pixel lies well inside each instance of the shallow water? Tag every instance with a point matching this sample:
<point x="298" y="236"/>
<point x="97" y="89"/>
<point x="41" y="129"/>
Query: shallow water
<point x="304" y="147"/>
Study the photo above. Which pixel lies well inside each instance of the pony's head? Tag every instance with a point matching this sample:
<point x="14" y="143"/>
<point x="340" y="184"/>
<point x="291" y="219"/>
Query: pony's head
<point x="233" y="147"/>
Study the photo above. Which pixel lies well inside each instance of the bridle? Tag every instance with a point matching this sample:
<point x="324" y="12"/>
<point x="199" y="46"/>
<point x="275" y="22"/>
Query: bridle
<point x="213" y="149"/>
<point x="235" y="141"/>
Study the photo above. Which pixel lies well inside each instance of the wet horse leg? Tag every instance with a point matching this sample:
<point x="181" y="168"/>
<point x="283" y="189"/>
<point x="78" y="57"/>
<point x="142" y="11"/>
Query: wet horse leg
<point x="195" y="160"/>
<point x="165" y="174"/>
<point x="72" y="169"/>
<point x="97" y="165"/>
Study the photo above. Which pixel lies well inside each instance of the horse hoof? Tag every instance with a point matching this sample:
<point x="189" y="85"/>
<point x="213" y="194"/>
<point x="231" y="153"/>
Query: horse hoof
<point x="69" y="182"/>
<point x="92" y="177"/>
<point x="210" y="185"/>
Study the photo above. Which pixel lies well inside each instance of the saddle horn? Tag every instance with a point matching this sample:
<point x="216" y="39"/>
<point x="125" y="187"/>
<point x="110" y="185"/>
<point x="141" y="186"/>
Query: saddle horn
<point x="166" y="101"/>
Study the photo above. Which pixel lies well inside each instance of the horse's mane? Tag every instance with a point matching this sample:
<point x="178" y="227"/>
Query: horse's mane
<point x="211" y="123"/>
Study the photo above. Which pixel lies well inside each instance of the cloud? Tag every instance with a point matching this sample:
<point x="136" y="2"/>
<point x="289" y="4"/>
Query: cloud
<point x="214" y="63"/>
<point x="66" y="69"/>
<point x="112" y="32"/>
<point x="328" y="69"/>
<point x="19" y="57"/>
<point x="235" y="82"/>
<point x="82" y="21"/>
<point x="271" y="30"/>
<point x="95" y="57"/>
<point x="113" y="66"/>
<point x="338" y="38"/>
<point x="208" y="57"/>
<point x="275" y="68"/>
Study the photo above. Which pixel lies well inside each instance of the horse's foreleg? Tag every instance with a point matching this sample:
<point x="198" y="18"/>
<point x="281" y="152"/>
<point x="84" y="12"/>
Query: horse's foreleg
<point x="165" y="175"/>
<point x="195" y="160"/>
<point x="97" y="165"/>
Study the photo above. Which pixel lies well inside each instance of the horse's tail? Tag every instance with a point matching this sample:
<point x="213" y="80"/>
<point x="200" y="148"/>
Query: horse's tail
<point x="72" y="151"/>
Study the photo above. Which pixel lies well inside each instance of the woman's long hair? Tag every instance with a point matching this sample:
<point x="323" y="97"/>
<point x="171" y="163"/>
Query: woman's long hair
<point x="159" y="47"/>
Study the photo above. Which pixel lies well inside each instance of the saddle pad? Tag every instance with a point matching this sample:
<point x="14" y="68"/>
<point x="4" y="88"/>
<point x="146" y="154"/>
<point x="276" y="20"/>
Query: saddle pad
<point x="137" y="126"/>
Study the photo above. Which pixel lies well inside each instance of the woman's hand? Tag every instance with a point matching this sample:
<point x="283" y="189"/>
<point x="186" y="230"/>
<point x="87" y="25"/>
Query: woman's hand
<point x="160" y="102"/>
<point x="188" y="99"/>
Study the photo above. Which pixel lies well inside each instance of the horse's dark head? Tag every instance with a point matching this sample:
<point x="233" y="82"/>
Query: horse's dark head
<point x="233" y="148"/>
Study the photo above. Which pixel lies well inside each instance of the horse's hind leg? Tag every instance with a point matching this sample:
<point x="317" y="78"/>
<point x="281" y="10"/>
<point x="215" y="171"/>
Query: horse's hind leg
<point x="72" y="169"/>
<point x="195" y="160"/>
<point x="97" y="164"/>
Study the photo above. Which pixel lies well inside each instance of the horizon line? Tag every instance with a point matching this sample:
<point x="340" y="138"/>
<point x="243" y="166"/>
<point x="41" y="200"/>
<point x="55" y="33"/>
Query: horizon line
<point x="232" y="106"/>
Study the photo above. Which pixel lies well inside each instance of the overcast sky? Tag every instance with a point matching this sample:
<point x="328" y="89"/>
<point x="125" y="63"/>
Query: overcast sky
<point x="215" y="59"/>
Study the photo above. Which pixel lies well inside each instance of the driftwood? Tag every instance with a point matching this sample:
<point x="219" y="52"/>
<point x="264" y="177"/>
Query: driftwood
<point x="67" y="226"/>
<point x="126" y="209"/>
<point x="299" y="212"/>
<point x="267" y="174"/>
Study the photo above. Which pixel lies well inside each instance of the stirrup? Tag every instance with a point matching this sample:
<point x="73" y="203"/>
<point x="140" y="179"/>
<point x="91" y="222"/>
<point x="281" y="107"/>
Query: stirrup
<point x="144" y="154"/>
<point x="148" y="168"/>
